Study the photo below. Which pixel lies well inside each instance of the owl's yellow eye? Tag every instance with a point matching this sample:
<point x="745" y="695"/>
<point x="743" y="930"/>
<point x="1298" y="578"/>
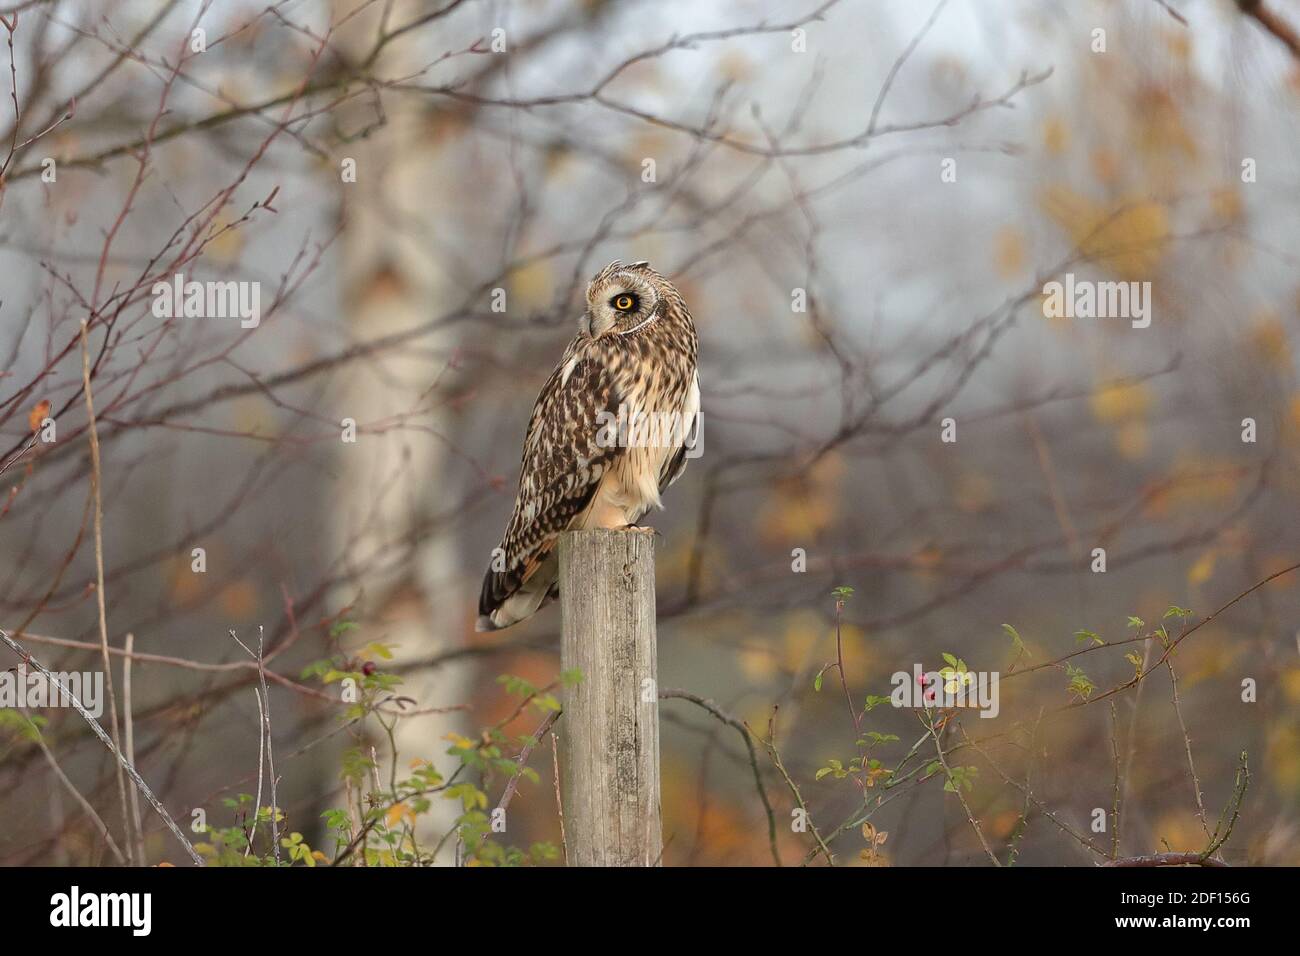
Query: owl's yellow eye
<point x="624" y="303"/>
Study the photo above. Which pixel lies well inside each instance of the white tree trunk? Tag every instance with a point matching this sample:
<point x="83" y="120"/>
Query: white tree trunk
<point x="391" y="280"/>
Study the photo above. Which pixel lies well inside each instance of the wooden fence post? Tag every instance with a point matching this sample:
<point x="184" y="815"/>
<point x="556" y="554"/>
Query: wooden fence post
<point x="609" y="734"/>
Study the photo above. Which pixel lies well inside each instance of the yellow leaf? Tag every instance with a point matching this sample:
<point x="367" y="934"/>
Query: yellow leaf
<point x="1195" y="483"/>
<point x="1226" y="203"/>
<point x="1120" y="401"/>
<point x="973" y="493"/>
<point x="802" y="633"/>
<point x="860" y="657"/>
<point x="1181" y="830"/>
<point x="757" y="664"/>
<point x="227" y="241"/>
<point x="1128" y="237"/>
<point x="1161" y="132"/>
<point x="394" y="815"/>
<point x="1056" y="136"/>
<point x="735" y="67"/>
<point x="239" y="599"/>
<point x="1269" y="339"/>
<point x="1009" y="252"/>
<point x="1202" y="570"/>
<point x="531" y="286"/>
<point x="186" y="584"/>
<point x="1291" y="684"/>
<point x="1283" y="759"/>
<point x="1180" y="43"/>
<point x="1202" y="662"/>
<point x="803" y="506"/>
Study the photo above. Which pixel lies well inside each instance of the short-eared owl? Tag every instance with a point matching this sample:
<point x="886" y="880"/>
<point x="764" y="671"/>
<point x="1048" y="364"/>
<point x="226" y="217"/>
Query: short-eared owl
<point x="610" y="431"/>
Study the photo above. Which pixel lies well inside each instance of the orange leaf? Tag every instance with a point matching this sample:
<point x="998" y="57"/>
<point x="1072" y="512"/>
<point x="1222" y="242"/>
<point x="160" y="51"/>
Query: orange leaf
<point x="40" y="411"/>
<point x="393" y="816"/>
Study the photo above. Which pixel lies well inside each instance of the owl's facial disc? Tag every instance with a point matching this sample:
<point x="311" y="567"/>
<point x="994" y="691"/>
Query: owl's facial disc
<point x="621" y="303"/>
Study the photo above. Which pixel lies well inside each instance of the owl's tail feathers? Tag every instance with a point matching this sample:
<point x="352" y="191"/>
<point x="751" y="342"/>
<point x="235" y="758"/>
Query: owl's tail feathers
<point x="506" y="600"/>
<point x="497" y="588"/>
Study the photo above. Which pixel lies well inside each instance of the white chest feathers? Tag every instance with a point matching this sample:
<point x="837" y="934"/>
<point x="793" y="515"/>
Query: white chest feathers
<point x="650" y="437"/>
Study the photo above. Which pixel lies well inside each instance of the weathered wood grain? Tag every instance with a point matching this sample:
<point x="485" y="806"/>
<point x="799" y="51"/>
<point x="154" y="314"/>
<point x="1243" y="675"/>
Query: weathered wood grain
<point x="609" y="756"/>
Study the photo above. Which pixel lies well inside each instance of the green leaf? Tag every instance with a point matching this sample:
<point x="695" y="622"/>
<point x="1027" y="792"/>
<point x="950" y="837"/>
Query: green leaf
<point x="880" y="738"/>
<point x="1015" y="637"/>
<point x="1080" y="685"/>
<point x="342" y="627"/>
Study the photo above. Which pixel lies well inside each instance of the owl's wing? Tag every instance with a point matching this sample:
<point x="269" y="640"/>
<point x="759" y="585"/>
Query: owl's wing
<point x="691" y="412"/>
<point x="563" y="462"/>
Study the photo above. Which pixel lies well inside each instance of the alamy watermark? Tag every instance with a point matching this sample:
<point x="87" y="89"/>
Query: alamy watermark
<point x="646" y="429"/>
<point x="179" y="299"/>
<point x="21" y="688"/>
<point x="1085" y="299"/>
<point x="133" y="911"/>
<point x="953" y="686"/>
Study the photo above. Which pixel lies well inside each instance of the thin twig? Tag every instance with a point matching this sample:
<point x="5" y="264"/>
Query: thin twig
<point x="928" y="721"/>
<point x="137" y="821"/>
<point x="1115" y="797"/>
<point x="99" y="577"/>
<point x="1165" y="859"/>
<point x="898" y="65"/>
<point x="1172" y="12"/>
<point x="559" y="800"/>
<point x="1271" y="22"/>
<point x="261" y="765"/>
<point x="745" y="735"/>
<point x="76" y="794"/>
<point x="1030" y="799"/>
<point x="1187" y="745"/>
<point x="102" y="735"/>
<point x="265" y="715"/>
<point x="522" y="759"/>
<point x="1234" y="806"/>
<point x="769" y="744"/>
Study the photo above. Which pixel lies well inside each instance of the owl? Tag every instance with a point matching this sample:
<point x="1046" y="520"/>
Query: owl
<point x="612" y="428"/>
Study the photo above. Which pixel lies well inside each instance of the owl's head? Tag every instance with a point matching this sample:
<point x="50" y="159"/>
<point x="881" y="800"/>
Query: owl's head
<point x="622" y="299"/>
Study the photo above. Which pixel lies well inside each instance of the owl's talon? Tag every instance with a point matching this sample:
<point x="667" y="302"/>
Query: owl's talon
<point x="645" y="528"/>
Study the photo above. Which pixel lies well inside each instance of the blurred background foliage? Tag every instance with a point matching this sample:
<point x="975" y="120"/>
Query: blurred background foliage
<point x="775" y="171"/>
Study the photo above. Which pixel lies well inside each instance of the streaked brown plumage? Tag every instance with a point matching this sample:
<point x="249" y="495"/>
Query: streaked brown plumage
<point x="634" y="356"/>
